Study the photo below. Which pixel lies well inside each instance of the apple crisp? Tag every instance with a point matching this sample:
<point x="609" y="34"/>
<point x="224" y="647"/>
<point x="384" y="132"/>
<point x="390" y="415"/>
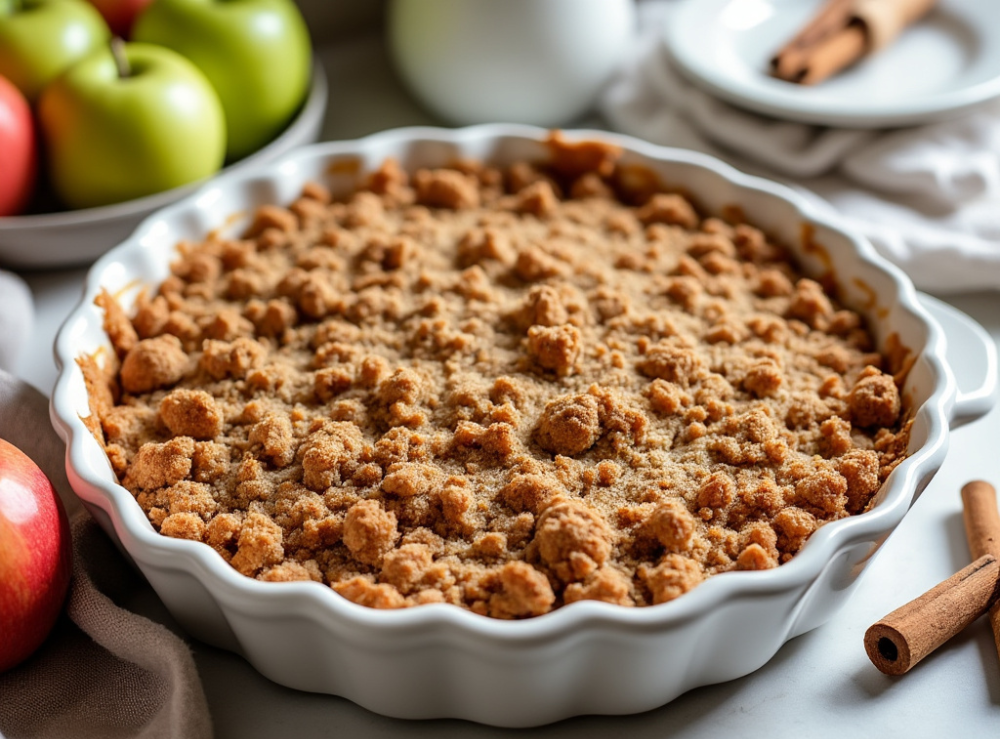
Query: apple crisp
<point x="507" y="389"/>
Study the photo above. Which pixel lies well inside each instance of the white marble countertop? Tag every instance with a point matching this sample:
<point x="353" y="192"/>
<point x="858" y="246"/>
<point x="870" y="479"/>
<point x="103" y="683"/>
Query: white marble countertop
<point x="818" y="685"/>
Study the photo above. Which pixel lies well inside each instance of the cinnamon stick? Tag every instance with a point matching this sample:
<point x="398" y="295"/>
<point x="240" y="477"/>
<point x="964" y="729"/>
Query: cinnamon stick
<point x="982" y="529"/>
<point x="831" y="18"/>
<point x="833" y="54"/>
<point x="907" y="635"/>
<point x="841" y="33"/>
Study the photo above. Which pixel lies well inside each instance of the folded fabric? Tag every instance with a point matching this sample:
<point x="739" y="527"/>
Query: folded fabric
<point x="927" y="196"/>
<point x="17" y="313"/>
<point x="104" y="672"/>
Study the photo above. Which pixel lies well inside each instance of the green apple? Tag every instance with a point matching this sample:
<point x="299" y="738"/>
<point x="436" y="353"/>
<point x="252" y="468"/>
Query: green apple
<point x="120" y="129"/>
<point x="40" y="39"/>
<point x="255" y="52"/>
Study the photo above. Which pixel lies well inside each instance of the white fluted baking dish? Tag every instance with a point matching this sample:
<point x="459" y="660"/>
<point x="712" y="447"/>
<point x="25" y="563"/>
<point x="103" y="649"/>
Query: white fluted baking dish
<point x="587" y="657"/>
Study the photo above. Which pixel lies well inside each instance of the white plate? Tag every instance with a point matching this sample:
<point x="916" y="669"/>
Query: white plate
<point x="940" y="67"/>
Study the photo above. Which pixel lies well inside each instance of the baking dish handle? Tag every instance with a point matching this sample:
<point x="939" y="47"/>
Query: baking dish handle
<point x="972" y="357"/>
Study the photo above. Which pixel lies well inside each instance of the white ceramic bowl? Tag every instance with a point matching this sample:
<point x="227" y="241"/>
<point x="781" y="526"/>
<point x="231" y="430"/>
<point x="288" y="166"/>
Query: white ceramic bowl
<point x="530" y="61"/>
<point x="76" y="237"/>
<point x="587" y="657"/>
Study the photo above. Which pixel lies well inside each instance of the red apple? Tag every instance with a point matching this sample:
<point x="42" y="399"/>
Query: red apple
<point x="35" y="556"/>
<point x="17" y="144"/>
<point x="120" y="14"/>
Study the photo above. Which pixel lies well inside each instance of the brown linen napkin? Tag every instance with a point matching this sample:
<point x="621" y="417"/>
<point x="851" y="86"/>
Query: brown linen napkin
<point x="104" y="672"/>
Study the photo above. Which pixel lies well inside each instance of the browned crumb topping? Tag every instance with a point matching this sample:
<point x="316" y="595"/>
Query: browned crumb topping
<point x="503" y="389"/>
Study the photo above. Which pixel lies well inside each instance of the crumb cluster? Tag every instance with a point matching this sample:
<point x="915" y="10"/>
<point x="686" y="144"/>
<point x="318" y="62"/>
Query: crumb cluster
<point x="505" y="389"/>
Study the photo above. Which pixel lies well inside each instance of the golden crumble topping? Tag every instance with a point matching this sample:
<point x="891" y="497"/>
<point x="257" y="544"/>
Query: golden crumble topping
<point x="505" y="389"/>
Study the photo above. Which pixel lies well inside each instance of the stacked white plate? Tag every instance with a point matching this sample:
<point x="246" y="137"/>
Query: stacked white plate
<point x="940" y="68"/>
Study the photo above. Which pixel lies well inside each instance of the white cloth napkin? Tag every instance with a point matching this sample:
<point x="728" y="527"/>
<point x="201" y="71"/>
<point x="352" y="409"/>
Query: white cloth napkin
<point x="928" y="197"/>
<point x="17" y="316"/>
<point x="104" y="672"/>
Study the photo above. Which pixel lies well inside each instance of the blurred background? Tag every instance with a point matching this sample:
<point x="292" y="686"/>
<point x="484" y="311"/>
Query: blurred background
<point x="333" y="20"/>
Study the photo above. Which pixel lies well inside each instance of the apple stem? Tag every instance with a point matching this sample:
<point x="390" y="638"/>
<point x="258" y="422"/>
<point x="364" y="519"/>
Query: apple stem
<point x="121" y="60"/>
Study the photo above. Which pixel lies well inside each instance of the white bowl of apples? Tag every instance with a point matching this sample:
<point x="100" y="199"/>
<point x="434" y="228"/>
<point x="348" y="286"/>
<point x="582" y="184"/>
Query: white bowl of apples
<point x="99" y="133"/>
